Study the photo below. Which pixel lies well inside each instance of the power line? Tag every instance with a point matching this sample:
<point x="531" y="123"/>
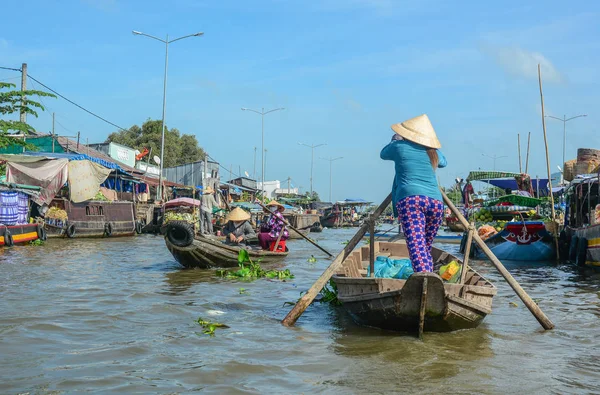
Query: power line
<point x="70" y="101"/>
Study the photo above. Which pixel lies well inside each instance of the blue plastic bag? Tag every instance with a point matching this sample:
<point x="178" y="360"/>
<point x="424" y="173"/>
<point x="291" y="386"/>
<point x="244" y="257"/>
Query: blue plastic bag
<point x="392" y="268"/>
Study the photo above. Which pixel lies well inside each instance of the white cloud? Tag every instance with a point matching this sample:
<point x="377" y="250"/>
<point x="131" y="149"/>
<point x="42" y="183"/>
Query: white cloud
<point x="522" y="63"/>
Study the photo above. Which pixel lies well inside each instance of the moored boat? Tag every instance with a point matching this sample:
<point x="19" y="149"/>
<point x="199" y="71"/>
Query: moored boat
<point x="207" y="252"/>
<point x="14" y="215"/>
<point x="303" y="222"/>
<point x="396" y="304"/>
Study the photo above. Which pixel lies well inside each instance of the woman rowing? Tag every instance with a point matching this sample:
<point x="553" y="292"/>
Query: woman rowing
<point x="274" y="226"/>
<point x="416" y="198"/>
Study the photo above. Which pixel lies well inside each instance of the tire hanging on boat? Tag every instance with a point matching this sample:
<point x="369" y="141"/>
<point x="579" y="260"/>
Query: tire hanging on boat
<point x="41" y="232"/>
<point x="180" y="233"/>
<point x="71" y="230"/>
<point x="582" y="247"/>
<point x="8" y="239"/>
<point x="573" y="248"/>
<point x="108" y="229"/>
<point x="138" y="227"/>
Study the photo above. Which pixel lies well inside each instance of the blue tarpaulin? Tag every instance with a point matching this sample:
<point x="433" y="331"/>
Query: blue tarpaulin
<point x="511" y="183"/>
<point x="105" y="163"/>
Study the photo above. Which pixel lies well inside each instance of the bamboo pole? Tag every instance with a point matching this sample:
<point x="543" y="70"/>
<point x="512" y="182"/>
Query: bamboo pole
<point x="529" y="303"/>
<point x="554" y="223"/>
<point x="463" y="274"/>
<point x="519" y="148"/>
<point x="527" y="157"/>
<point x="291" y="318"/>
<point x="372" y="245"/>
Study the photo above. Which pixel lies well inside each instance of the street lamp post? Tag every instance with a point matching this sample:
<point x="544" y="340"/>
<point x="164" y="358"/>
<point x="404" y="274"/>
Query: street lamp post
<point x="262" y="114"/>
<point x="312" y="157"/>
<point x="331" y="160"/>
<point x="564" y="120"/>
<point x="166" y="41"/>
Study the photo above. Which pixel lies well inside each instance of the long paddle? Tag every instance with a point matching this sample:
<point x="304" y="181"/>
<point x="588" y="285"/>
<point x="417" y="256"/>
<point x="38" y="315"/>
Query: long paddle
<point x="296" y="230"/>
<point x="533" y="308"/>
<point x="291" y="318"/>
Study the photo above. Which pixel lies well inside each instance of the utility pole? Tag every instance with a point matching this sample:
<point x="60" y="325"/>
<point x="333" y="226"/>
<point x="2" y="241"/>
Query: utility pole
<point x="312" y="157"/>
<point x="254" y="171"/>
<point x="331" y="160"/>
<point x="23" y="116"/>
<point x="289" y="179"/>
<point x="53" y="135"/>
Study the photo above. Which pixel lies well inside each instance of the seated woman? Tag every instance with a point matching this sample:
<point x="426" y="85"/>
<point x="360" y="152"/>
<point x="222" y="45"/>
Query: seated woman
<point x="238" y="230"/>
<point x="273" y="226"/>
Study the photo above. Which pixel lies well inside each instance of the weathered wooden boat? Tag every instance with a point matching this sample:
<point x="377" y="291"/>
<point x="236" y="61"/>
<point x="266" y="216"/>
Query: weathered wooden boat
<point x="302" y="222"/>
<point x="93" y="219"/>
<point x="454" y="224"/>
<point x="580" y="238"/>
<point x="394" y="304"/>
<point x="207" y="252"/>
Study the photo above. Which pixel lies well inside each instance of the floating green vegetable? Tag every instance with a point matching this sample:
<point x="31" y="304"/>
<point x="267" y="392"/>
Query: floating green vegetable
<point x="329" y="294"/>
<point x="312" y="259"/>
<point x="36" y="242"/>
<point x="209" y="327"/>
<point x="252" y="270"/>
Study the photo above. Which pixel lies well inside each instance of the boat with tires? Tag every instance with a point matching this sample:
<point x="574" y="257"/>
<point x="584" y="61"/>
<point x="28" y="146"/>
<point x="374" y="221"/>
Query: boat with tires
<point x="208" y="252"/>
<point x="397" y="305"/>
<point x="579" y="240"/>
<point x="15" y="226"/>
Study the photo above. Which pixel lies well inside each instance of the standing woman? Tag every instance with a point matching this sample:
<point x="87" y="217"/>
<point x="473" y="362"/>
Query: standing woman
<point x="273" y="226"/>
<point x="416" y="197"/>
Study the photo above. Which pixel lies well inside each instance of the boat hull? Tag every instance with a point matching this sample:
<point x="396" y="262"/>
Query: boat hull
<point x="592" y="235"/>
<point x="205" y="253"/>
<point x="394" y="304"/>
<point x="302" y="222"/>
<point x="528" y="241"/>
<point x="90" y="219"/>
<point x="20" y="233"/>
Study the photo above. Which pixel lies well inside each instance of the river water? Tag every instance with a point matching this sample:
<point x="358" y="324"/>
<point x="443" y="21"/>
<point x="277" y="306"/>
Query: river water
<point x="118" y="316"/>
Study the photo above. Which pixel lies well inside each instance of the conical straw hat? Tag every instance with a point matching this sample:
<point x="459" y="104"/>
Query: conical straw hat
<point x="418" y="130"/>
<point x="275" y="203"/>
<point x="238" y="214"/>
<point x="208" y="190"/>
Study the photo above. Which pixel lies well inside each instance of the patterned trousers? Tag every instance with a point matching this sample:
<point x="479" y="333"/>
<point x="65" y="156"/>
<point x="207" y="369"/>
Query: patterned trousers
<point x="421" y="217"/>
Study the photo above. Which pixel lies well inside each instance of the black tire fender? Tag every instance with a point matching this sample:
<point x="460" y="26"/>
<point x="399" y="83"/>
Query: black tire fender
<point x="573" y="248"/>
<point x="41" y="232"/>
<point x="138" y="227"/>
<point x="71" y="230"/>
<point x="582" y="247"/>
<point x="8" y="239"/>
<point x="180" y="233"/>
<point x="108" y="229"/>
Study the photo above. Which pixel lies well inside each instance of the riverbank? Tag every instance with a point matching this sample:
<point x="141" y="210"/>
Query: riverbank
<point x="118" y="315"/>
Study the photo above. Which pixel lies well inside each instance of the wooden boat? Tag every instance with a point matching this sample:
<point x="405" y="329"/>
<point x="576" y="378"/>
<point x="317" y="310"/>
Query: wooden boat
<point x="15" y="208"/>
<point x="93" y="219"/>
<point x="396" y="304"/>
<point x="207" y="252"/>
<point x="302" y="222"/>
<point x="580" y="238"/>
<point x="518" y="241"/>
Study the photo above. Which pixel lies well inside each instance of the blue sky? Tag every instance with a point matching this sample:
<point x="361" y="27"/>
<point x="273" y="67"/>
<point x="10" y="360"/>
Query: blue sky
<point x="345" y="70"/>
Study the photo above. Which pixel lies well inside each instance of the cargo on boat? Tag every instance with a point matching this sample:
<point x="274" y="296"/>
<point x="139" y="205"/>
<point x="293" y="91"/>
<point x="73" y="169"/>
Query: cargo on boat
<point x="15" y="208"/>
<point x="396" y="304"/>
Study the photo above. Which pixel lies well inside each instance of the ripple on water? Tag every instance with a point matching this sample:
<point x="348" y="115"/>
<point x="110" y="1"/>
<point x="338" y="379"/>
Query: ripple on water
<point x="118" y="316"/>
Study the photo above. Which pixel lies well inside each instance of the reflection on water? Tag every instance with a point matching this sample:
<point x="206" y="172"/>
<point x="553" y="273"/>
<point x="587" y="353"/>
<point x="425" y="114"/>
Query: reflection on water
<point x="118" y="315"/>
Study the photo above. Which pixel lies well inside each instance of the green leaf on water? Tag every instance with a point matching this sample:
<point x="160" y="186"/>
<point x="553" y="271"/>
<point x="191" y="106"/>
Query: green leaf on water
<point x="243" y="256"/>
<point x="312" y="259"/>
<point x="513" y="304"/>
<point x="243" y="291"/>
<point x="210" y="327"/>
<point x="288" y="304"/>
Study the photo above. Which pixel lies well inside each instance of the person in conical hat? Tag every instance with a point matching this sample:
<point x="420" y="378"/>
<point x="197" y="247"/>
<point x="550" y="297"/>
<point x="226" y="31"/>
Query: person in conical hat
<point x="273" y="226"/>
<point x="207" y="205"/>
<point x="416" y="198"/>
<point x="238" y="230"/>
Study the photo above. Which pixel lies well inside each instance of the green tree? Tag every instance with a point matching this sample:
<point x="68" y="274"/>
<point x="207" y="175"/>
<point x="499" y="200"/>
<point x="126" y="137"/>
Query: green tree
<point x="14" y="102"/>
<point x="179" y="148"/>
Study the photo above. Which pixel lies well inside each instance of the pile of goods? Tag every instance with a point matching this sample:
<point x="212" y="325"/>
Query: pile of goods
<point x="486" y="231"/>
<point x="178" y="216"/>
<point x="482" y="215"/>
<point x="56" y="217"/>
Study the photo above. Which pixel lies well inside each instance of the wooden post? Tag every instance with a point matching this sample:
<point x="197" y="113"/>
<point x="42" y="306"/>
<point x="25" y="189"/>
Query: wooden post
<point x="527" y="157"/>
<point x="519" y="148"/>
<point x="372" y="246"/>
<point x="531" y="305"/>
<point x="554" y="224"/>
<point x="422" y="309"/>
<point x="464" y="271"/>
<point x="78" y="134"/>
<point x="299" y="308"/>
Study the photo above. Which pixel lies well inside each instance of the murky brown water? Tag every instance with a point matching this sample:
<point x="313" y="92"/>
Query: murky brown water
<point x="118" y="316"/>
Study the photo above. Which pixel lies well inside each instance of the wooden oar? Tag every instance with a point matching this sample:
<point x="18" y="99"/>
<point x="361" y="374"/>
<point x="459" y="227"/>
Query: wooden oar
<point x="291" y="318"/>
<point x="296" y="230"/>
<point x="533" y="308"/>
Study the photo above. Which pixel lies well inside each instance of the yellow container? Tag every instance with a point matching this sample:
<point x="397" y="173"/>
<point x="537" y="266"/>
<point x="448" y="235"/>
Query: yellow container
<point x="448" y="271"/>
